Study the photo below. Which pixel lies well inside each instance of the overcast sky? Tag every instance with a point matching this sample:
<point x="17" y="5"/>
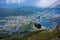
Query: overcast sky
<point x="37" y="3"/>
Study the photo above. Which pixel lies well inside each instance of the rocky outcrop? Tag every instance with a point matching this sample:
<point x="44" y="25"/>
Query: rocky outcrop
<point x="57" y="28"/>
<point x="56" y="32"/>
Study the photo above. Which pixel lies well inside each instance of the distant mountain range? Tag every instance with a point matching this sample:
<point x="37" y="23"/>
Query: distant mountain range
<point x="26" y="11"/>
<point x="18" y="11"/>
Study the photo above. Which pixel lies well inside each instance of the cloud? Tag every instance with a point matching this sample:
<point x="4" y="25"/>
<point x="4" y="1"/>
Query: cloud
<point x="45" y="3"/>
<point x="14" y="1"/>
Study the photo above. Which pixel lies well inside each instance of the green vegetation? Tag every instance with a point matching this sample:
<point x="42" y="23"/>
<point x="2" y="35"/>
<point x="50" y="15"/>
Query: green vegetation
<point x="40" y="35"/>
<point x="3" y="36"/>
<point x="35" y="35"/>
<point x="27" y="27"/>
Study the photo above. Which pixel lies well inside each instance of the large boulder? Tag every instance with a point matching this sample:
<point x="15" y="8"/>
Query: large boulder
<point x="38" y="26"/>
